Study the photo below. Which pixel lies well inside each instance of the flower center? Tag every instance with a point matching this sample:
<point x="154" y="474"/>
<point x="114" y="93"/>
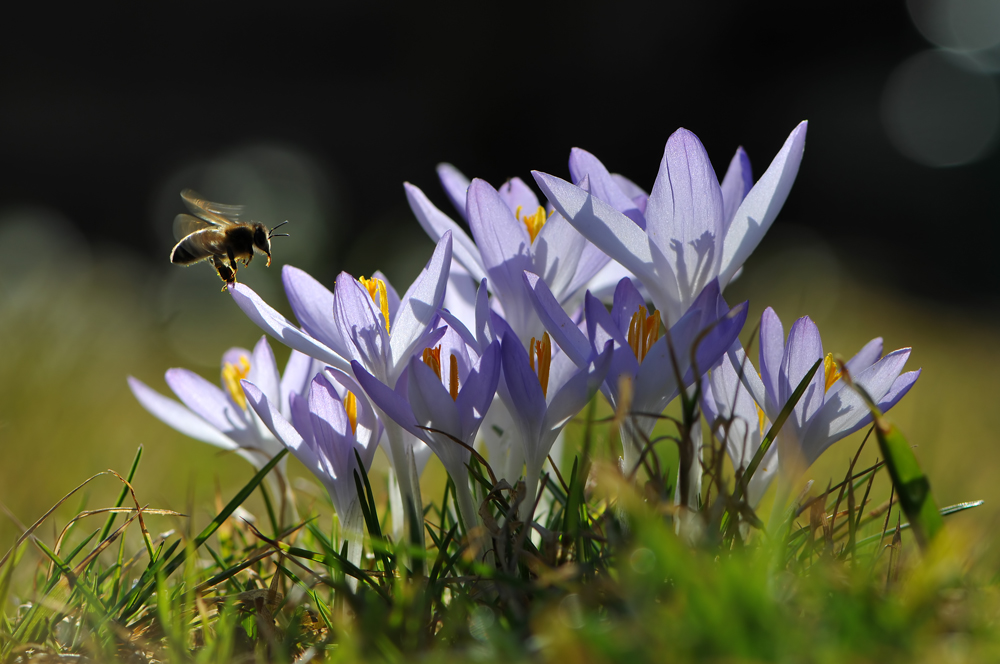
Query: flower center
<point x="232" y="374"/>
<point x="832" y="371"/>
<point x="351" y="408"/>
<point x="533" y="222"/>
<point x="540" y="357"/>
<point x="643" y="331"/>
<point x="432" y="358"/>
<point x="376" y="289"/>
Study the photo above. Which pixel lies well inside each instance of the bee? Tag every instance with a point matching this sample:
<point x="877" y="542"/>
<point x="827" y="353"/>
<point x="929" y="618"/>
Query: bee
<point x="216" y="233"/>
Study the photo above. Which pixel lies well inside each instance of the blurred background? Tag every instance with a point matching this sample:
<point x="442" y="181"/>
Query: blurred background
<point x="318" y="112"/>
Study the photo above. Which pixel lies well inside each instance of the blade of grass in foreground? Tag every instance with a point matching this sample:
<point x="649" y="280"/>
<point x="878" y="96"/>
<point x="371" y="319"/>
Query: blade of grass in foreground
<point x="147" y="583"/>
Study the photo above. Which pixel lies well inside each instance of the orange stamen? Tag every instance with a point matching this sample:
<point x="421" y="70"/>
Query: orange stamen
<point x="376" y="289"/>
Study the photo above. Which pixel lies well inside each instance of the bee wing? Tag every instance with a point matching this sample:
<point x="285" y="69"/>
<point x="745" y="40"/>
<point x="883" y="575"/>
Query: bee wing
<point x="197" y="246"/>
<point x="219" y="214"/>
<point x="185" y="224"/>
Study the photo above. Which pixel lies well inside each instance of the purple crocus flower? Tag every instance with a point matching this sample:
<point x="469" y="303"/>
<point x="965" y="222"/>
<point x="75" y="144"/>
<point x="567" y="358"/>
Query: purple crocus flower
<point x="512" y="233"/>
<point x="449" y="391"/>
<point x="642" y="357"/>
<point x="829" y="409"/>
<point x="543" y="394"/>
<point x="220" y="417"/>
<point x="324" y="432"/>
<point x="683" y="237"/>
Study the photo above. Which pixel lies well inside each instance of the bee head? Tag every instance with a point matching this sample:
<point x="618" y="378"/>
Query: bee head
<point x="262" y="240"/>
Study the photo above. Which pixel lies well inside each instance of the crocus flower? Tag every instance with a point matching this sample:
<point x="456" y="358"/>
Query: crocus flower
<point x="370" y="324"/>
<point x="683" y="238"/>
<point x="829" y="409"/>
<point x="327" y="432"/>
<point x="220" y="417"/>
<point x="643" y="358"/>
<point x="512" y="233"/>
<point x="543" y="396"/>
<point x="442" y="397"/>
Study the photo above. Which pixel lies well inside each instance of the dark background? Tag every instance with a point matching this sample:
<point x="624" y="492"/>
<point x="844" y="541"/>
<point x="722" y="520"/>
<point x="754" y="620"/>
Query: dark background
<point x="102" y="114"/>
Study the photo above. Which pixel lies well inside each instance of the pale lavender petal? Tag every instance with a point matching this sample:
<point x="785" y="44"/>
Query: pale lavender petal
<point x="584" y="164"/>
<point x="388" y="401"/>
<point x="431" y="404"/>
<point x="574" y="394"/>
<point x="632" y="190"/>
<point x="503" y="241"/>
<point x="281" y="328"/>
<point x="601" y="325"/>
<point x="867" y="356"/>
<point x="361" y="325"/>
<point x="281" y="428"/>
<point x="419" y="306"/>
<point x="611" y="231"/>
<point x="804" y="348"/>
<point x="772" y="352"/>
<point x="298" y="374"/>
<point x="592" y="272"/>
<point x="627" y="302"/>
<point x="735" y="185"/>
<point x="516" y="194"/>
<point x="604" y="283"/>
<point x="899" y="388"/>
<point x="460" y="295"/>
<point x="264" y="371"/>
<point x="312" y="304"/>
<point x="455" y="184"/>
<point x="476" y="396"/>
<point x="331" y="426"/>
<point x="556" y="255"/>
<point x="561" y="328"/>
<point x="436" y="223"/>
<point x="684" y="217"/>
<point x="749" y="378"/>
<point x="526" y="396"/>
<point x="207" y="401"/>
<point x="459" y="327"/>
<point x="762" y="204"/>
<point x="177" y="416"/>
<point x="369" y="429"/>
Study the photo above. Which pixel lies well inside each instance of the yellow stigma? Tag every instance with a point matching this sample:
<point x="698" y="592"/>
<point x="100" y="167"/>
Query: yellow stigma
<point x="231" y="377"/>
<point x="643" y="331"/>
<point x="376" y="289"/>
<point x="540" y="357"/>
<point x="533" y="222"/>
<point x="351" y="407"/>
<point x="761" y="420"/>
<point x="832" y="371"/>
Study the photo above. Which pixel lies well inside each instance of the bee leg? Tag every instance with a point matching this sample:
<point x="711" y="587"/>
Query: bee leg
<point x="246" y="261"/>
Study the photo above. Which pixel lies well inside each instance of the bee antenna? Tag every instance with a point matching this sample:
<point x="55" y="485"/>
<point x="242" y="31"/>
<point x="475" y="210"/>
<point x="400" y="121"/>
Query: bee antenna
<point x="271" y="232"/>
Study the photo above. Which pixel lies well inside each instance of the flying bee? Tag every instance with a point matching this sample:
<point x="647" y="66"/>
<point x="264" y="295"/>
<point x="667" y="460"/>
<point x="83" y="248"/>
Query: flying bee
<point x="216" y="233"/>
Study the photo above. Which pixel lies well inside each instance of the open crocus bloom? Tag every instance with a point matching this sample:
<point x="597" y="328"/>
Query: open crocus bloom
<point x="829" y="409"/>
<point x="219" y="416"/>
<point x="684" y="237"/>
<point x="328" y="431"/>
<point x="442" y="398"/>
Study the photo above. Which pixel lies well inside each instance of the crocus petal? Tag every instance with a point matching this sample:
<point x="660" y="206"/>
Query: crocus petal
<point x="420" y="304"/>
<point x="804" y="348"/>
<point x="749" y="378"/>
<point x="361" y="325"/>
<point x="388" y="401"/>
<point x="177" y="416"/>
<point x="431" y="403"/>
<point x="559" y="325"/>
<point x="584" y="164"/>
<point x="626" y="303"/>
<point x="525" y="392"/>
<point x="762" y="204"/>
<point x="772" y="352"/>
<point x="735" y="185"/>
<point x="436" y="223"/>
<point x="280" y="427"/>
<point x="207" y="401"/>
<point x="596" y="271"/>
<point x="574" y="394"/>
<point x="684" y="217"/>
<point x="264" y="371"/>
<point x="503" y="241"/>
<point x="369" y="429"/>
<point x="556" y="254"/>
<point x="390" y="294"/>
<point x="601" y="326"/>
<point x="516" y="195"/>
<point x="298" y="373"/>
<point x="617" y="235"/>
<point x="865" y="357"/>
<point x="476" y="396"/>
<point x="312" y="304"/>
<point x="455" y="184"/>
<point x="281" y="328"/>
